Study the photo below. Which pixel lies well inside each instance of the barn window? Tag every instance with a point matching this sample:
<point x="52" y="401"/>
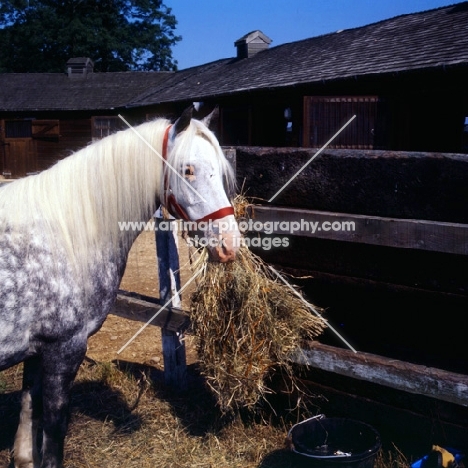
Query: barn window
<point x="47" y="130"/>
<point x="105" y="126"/>
<point x="18" y="129"/>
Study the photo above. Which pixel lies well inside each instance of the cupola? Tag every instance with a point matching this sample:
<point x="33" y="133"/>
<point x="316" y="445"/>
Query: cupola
<point x="79" y="67"/>
<point x="251" y="44"/>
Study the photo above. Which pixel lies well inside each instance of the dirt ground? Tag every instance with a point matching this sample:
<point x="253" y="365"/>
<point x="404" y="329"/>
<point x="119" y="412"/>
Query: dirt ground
<point x="141" y="276"/>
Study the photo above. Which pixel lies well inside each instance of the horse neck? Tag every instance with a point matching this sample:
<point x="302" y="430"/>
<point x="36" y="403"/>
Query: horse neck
<point x="133" y="194"/>
<point x="102" y="187"/>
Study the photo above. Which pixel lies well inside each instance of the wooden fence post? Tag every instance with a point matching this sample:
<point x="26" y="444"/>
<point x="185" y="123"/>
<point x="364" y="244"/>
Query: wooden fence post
<point x="173" y="345"/>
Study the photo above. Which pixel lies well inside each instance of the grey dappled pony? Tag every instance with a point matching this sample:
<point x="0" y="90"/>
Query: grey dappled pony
<point x="62" y="254"/>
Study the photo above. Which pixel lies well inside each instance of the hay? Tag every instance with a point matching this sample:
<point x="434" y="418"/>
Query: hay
<point x="247" y="323"/>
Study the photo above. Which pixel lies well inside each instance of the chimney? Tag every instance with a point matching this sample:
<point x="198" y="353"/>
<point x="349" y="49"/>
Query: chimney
<point x="252" y="43"/>
<point x="79" y="67"/>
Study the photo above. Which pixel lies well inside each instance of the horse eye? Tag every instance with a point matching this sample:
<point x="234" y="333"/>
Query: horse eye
<point x="189" y="170"/>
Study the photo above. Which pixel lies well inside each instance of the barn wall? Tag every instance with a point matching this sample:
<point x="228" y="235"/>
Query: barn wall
<point x="74" y="134"/>
<point x="54" y="136"/>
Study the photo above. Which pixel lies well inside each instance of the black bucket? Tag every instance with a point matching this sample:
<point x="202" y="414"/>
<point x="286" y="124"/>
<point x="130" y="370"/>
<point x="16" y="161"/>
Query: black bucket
<point x="335" y="442"/>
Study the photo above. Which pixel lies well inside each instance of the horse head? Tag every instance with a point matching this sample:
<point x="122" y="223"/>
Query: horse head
<point x="195" y="174"/>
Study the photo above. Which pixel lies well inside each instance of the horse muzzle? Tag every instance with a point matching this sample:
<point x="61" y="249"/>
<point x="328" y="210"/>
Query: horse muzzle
<point x="223" y="239"/>
<point x="226" y="250"/>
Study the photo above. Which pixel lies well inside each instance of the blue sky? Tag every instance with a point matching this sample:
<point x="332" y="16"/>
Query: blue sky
<point x="209" y="28"/>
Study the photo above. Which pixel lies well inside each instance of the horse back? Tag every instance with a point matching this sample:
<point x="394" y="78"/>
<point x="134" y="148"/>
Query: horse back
<point x="43" y="301"/>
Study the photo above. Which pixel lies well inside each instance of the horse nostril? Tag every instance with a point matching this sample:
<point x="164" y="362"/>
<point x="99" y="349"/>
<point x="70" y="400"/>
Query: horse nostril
<point x="230" y="256"/>
<point x="224" y="255"/>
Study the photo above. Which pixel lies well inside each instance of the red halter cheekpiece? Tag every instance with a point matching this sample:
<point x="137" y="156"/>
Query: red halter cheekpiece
<point x="170" y="201"/>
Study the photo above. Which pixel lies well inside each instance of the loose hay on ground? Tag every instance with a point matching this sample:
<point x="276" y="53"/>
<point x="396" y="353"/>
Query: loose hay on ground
<point x="121" y="420"/>
<point x="247" y="323"/>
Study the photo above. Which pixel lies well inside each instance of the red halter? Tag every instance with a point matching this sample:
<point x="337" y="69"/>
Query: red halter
<point x="170" y="201"/>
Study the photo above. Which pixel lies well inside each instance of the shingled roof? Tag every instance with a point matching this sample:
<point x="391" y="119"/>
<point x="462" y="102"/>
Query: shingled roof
<point x="56" y="91"/>
<point x="421" y="41"/>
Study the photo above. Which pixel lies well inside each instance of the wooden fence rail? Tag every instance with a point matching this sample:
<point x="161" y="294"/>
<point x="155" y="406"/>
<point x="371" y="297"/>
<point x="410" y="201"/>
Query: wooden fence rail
<point x="435" y="236"/>
<point x="416" y="379"/>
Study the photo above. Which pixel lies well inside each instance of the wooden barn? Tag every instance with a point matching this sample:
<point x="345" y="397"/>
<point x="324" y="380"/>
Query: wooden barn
<point x="396" y="285"/>
<point x="404" y="78"/>
<point x="46" y="116"/>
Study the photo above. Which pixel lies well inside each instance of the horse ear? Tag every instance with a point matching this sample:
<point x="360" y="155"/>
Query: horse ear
<point x="212" y="118"/>
<point x="183" y="121"/>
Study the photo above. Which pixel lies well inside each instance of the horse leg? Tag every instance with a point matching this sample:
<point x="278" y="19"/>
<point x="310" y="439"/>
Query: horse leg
<point x="59" y="371"/>
<point x="25" y="446"/>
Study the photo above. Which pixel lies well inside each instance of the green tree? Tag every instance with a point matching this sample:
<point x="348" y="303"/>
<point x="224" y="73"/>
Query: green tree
<point x="118" y="35"/>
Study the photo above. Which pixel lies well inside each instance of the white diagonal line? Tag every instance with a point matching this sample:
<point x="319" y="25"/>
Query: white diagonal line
<point x="312" y="158"/>
<point x="315" y="311"/>
<point x="150" y="146"/>
<point x="159" y="311"/>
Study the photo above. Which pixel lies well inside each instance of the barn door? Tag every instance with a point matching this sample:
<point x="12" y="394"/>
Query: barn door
<point x="325" y="115"/>
<point x="19" y="155"/>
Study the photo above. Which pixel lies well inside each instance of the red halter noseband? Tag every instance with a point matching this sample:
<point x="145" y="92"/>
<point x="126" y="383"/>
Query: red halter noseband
<point x="170" y="201"/>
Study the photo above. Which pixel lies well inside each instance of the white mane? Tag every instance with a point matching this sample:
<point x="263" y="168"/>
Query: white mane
<point x="77" y="204"/>
<point x="79" y="201"/>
